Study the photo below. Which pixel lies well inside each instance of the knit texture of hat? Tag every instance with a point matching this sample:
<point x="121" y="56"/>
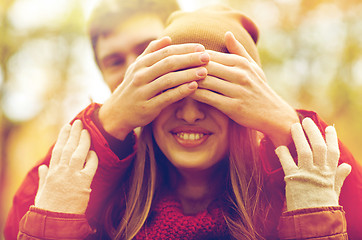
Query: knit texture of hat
<point x="208" y="26"/>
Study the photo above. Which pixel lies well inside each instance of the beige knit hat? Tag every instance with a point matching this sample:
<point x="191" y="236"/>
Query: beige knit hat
<point x="208" y="26"/>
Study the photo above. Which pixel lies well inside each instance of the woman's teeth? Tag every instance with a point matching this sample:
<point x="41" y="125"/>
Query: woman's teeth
<point x="190" y="136"/>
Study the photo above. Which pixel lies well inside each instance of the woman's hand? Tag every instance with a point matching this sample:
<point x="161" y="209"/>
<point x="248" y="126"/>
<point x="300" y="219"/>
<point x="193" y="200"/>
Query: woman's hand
<point x="236" y="85"/>
<point x="65" y="185"/>
<point x="316" y="181"/>
<point x="162" y="75"/>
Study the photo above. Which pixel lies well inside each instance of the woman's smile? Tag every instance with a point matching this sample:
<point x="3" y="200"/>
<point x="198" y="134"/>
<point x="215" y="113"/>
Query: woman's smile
<point x="192" y="135"/>
<point x="189" y="136"/>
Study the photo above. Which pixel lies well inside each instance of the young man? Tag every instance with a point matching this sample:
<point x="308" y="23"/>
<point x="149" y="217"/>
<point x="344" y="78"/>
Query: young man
<point x="119" y="31"/>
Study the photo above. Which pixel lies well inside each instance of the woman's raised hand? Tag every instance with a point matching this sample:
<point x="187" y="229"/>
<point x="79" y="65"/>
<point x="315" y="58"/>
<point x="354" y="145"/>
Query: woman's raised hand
<point x="162" y="75"/>
<point x="65" y="185"/>
<point x="317" y="180"/>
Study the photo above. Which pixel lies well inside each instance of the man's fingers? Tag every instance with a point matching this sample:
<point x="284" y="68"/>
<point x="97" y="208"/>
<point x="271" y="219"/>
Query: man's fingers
<point x="173" y="95"/>
<point x="231" y="90"/>
<point x="228" y="73"/>
<point x="175" y="63"/>
<point x="227" y="59"/>
<point x="80" y="154"/>
<point x="217" y="100"/>
<point x="172" y="50"/>
<point x="220" y="86"/>
<point x="235" y="47"/>
<point x="156" y="45"/>
<point x="174" y="79"/>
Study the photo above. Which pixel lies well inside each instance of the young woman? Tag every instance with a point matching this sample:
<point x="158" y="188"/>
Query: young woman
<point x="196" y="173"/>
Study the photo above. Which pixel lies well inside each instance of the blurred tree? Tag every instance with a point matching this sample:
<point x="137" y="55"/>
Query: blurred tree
<point x="311" y="52"/>
<point x="60" y="41"/>
<point x="7" y="48"/>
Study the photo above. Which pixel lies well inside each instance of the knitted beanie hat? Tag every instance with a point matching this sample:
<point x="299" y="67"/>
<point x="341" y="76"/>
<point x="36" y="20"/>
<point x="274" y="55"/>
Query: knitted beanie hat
<point x="208" y="26"/>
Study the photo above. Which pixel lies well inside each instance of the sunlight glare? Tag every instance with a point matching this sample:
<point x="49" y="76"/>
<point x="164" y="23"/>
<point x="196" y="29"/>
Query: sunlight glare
<point x="191" y="5"/>
<point x="30" y="14"/>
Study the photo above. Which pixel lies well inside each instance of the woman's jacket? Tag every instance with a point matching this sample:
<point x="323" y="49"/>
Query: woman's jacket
<point x="116" y="156"/>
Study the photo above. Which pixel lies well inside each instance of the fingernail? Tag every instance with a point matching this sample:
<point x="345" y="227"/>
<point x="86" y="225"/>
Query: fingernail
<point x="201" y="72"/>
<point x="199" y="48"/>
<point x="192" y="85"/>
<point x="204" y="57"/>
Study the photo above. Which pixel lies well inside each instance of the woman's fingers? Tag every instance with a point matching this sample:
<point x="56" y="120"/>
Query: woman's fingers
<point x="332" y="147"/>
<point x="317" y="142"/>
<point x="71" y="147"/>
<point x="318" y="152"/>
<point x="342" y="172"/>
<point x="80" y="154"/>
<point x="286" y="160"/>
<point x="59" y="145"/>
<point x="305" y="155"/>
<point x="42" y="171"/>
<point x="72" y="142"/>
<point x="91" y="165"/>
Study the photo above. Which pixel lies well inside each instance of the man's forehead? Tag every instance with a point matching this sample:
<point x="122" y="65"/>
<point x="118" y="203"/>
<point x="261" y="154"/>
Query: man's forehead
<point x="129" y="33"/>
<point x="139" y="21"/>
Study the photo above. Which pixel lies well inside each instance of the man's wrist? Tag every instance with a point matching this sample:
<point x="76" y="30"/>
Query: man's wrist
<point x="280" y="133"/>
<point x="122" y="148"/>
<point x="112" y="126"/>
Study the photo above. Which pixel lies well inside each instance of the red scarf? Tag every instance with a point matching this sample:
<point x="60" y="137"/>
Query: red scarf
<point x="167" y="221"/>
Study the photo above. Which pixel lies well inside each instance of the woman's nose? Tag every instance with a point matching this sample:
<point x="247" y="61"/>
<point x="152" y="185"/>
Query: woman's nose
<point x="190" y="111"/>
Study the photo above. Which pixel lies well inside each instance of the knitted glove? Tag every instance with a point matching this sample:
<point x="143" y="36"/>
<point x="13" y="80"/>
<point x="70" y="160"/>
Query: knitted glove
<point x="316" y="181"/>
<point x="65" y="185"/>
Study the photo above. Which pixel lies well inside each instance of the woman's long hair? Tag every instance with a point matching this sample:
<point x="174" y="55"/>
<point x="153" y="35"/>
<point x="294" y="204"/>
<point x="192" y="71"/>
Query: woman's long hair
<point x="244" y="202"/>
<point x="247" y="205"/>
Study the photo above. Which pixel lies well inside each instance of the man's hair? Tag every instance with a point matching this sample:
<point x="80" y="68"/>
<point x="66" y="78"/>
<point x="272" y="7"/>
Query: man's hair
<point x="108" y="14"/>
